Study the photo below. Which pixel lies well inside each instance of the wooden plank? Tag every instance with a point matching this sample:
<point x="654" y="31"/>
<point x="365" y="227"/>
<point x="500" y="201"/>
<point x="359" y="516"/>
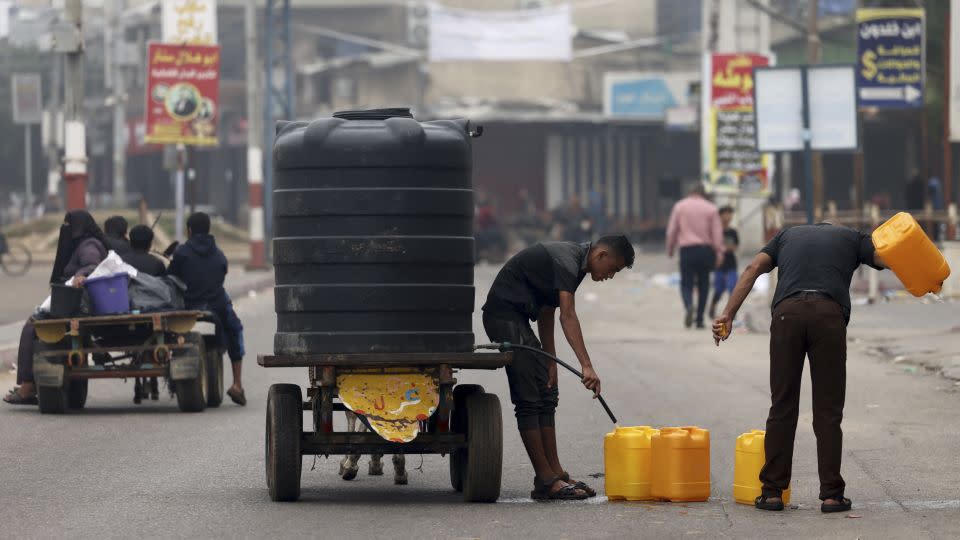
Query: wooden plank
<point x="128" y="318"/>
<point x="455" y="360"/>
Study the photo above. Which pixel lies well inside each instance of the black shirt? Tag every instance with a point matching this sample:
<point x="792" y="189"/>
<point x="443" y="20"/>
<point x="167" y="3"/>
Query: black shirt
<point x="533" y="279"/>
<point x="730" y="236"/>
<point x="819" y="258"/>
<point x="145" y="262"/>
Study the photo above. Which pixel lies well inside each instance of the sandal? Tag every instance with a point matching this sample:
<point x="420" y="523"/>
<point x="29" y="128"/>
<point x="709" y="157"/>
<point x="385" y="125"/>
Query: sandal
<point x="13" y="397"/>
<point x="238" y="397"/>
<point x="763" y="502"/>
<point x="844" y="506"/>
<point x="582" y="486"/>
<point x="566" y="493"/>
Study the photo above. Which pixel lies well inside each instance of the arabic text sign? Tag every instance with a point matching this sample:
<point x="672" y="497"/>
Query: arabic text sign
<point x="190" y="22"/>
<point x="183" y="88"/>
<point x="645" y="95"/>
<point x="27" y="104"/>
<point x="731" y="79"/>
<point x="532" y="34"/>
<point x="890" y="56"/>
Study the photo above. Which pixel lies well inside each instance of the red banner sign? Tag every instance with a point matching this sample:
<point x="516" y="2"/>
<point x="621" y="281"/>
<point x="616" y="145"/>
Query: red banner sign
<point x="731" y="79"/>
<point x="183" y="89"/>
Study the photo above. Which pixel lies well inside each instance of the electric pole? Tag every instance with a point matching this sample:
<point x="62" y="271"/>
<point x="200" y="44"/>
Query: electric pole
<point x="115" y="81"/>
<point x="816" y="158"/>
<point x="254" y="141"/>
<point x="75" y="159"/>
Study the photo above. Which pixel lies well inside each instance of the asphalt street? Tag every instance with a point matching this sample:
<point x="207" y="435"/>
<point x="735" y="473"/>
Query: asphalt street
<point x="118" y="470"/>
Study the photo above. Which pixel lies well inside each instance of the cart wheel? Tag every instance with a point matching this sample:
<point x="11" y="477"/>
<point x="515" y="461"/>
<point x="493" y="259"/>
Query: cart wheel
<point x="77" y="393"/>
<point x="214" y="359"/>
<point x="53" y="399"/>
<point x="282" y="443"/>
<point x="192" y="394"/>
<point x="481" y="478"/>
<point x="458" y="424"/>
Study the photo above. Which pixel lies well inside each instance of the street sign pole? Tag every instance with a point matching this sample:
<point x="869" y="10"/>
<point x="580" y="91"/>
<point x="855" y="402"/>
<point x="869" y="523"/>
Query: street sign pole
<point x="807" y="149"/>
<point x="28" y="150"/>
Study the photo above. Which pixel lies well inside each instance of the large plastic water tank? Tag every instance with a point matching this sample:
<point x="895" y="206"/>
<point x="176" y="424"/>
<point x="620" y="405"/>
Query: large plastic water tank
<point x="373" y="235"/>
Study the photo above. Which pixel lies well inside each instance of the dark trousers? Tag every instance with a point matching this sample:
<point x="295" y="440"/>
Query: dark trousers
<point x="533" y="403"/>
<point x="696" y="262"/>
<point x="806" y="325"/>
<point x="25" y="353"/>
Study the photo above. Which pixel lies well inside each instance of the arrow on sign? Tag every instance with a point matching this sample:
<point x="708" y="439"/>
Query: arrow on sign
<point x="904" y="93"/>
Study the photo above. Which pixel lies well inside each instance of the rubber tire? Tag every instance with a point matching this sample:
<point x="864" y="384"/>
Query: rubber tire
<point x="53" y="399"/>
<point x="481" y="479"/>
<point x="77" y="393"/>
<point x="192" y="394"/>
<point x="215" y="372"/>
<point x="458" y="424"/>
<point x="282" y="442"/>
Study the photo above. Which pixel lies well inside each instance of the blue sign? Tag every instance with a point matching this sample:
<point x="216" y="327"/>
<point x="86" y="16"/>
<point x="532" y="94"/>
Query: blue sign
<point x="890" y="58"/>
<point x="646" y="98"/>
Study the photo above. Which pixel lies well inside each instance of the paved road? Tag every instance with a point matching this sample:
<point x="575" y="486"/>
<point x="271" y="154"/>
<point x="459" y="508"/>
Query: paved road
<point x="119" y="470"/>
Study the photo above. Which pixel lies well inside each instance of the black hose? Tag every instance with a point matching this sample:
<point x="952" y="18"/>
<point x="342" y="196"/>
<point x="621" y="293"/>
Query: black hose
<point x="506" y="346"/>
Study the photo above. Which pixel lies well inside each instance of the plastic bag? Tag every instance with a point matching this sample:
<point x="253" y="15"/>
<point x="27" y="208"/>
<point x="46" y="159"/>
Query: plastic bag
<point x="109" y="266"/>
<point x="151" y="293"/>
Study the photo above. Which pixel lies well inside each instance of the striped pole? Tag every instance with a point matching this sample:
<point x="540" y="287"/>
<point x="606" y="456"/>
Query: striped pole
<point x="255" y="179"/>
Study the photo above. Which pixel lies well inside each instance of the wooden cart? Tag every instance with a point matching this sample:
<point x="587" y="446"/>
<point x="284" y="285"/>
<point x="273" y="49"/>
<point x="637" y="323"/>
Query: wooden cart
<point x="467" y="423"/>
<point x="70" y="352"/>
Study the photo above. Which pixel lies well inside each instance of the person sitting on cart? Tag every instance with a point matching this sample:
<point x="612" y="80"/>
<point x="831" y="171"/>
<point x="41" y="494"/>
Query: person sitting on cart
<point x="141" y="239"/>
<point x="201" y="265"/>
<point x="115" y="228"/>
<point x="81" y="247"/>
<point x="531" y="286"/>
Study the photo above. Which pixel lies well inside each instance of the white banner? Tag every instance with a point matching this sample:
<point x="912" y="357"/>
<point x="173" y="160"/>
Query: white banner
<point x="190" y="22"/>
<point x="532" y="34"/>
<point x="954" y="70"/>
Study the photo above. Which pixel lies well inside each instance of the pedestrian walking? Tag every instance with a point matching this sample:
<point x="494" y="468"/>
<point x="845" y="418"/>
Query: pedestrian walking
<point x="695" y="229"/>
<point x="725" y="278"/>
<point x="811" y="310"/>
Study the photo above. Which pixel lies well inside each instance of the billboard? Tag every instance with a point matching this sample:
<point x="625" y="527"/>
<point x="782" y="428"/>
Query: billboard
<point x="890" y="57"/>
<point x="731" y="162"/>
<point x="645" y="95"/>
<point x="183" y="87"/>
<point x="189" y="22"/>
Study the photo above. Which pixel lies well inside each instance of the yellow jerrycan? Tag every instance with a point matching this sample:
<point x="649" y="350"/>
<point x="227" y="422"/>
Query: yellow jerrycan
<point x="749" y="458"/>
<point x="906" y="249"/>
<point x="681" y="464"/>
<point x="627" y="463"/>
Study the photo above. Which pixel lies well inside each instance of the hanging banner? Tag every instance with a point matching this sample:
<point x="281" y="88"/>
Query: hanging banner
<point x="189" y="22"/>
<point x="529" y="34"/>
<point x="731" y="162"/>
<point x="183" y="87"/>
<point x="955" y="70"/>
<point x="890" y="56"/>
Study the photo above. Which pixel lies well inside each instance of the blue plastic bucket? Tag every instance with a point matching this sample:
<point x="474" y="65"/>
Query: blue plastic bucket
<point x="108" y="294"/>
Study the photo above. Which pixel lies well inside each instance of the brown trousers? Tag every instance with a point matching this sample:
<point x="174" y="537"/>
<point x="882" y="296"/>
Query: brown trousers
<point x="811" y="325"/>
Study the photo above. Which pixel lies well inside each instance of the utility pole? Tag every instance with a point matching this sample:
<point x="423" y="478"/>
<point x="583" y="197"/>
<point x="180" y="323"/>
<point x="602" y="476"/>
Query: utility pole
<point x="75" y="159"/>
<point x="947" y="146"/>
<point x="815" y="198"/>
<point x="116" y="81"/>
<point x="52" y="140"/>
<point x="254" y="141"/>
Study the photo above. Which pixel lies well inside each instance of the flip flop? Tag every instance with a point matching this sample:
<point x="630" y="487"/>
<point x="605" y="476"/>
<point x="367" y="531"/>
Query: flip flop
<point x="582" y="486"/>
<point x="239" y="398"/>
<point x="568" y="492"/>
<point x="763" y="503"/>
<point x="13" y="397"/>
<point x="844" y="506"/>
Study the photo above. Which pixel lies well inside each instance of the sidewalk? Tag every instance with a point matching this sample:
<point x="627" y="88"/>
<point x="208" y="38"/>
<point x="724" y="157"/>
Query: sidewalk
<point x="240" y="283"/>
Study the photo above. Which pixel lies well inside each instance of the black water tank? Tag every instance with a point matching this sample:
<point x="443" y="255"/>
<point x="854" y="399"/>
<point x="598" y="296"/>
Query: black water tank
<point x="373" y="235"/>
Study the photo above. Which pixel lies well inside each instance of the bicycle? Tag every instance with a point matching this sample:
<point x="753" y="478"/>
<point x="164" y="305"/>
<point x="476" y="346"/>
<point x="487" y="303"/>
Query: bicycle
<point x="15" y="258"/>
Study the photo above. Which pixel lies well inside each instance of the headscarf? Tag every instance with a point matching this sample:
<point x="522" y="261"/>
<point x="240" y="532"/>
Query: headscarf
<point x="78" y="225"/>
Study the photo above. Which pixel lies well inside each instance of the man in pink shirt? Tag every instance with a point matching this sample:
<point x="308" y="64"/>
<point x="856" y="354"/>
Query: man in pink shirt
<point x="696" y="229"/>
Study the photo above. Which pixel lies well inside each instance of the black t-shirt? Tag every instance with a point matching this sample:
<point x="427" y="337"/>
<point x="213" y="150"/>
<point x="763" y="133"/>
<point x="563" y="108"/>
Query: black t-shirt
<point x="730" y="236"/>
<point x="145" y="262"/>
<point x="533" y="279"/>
<point x="819" y="258"/>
